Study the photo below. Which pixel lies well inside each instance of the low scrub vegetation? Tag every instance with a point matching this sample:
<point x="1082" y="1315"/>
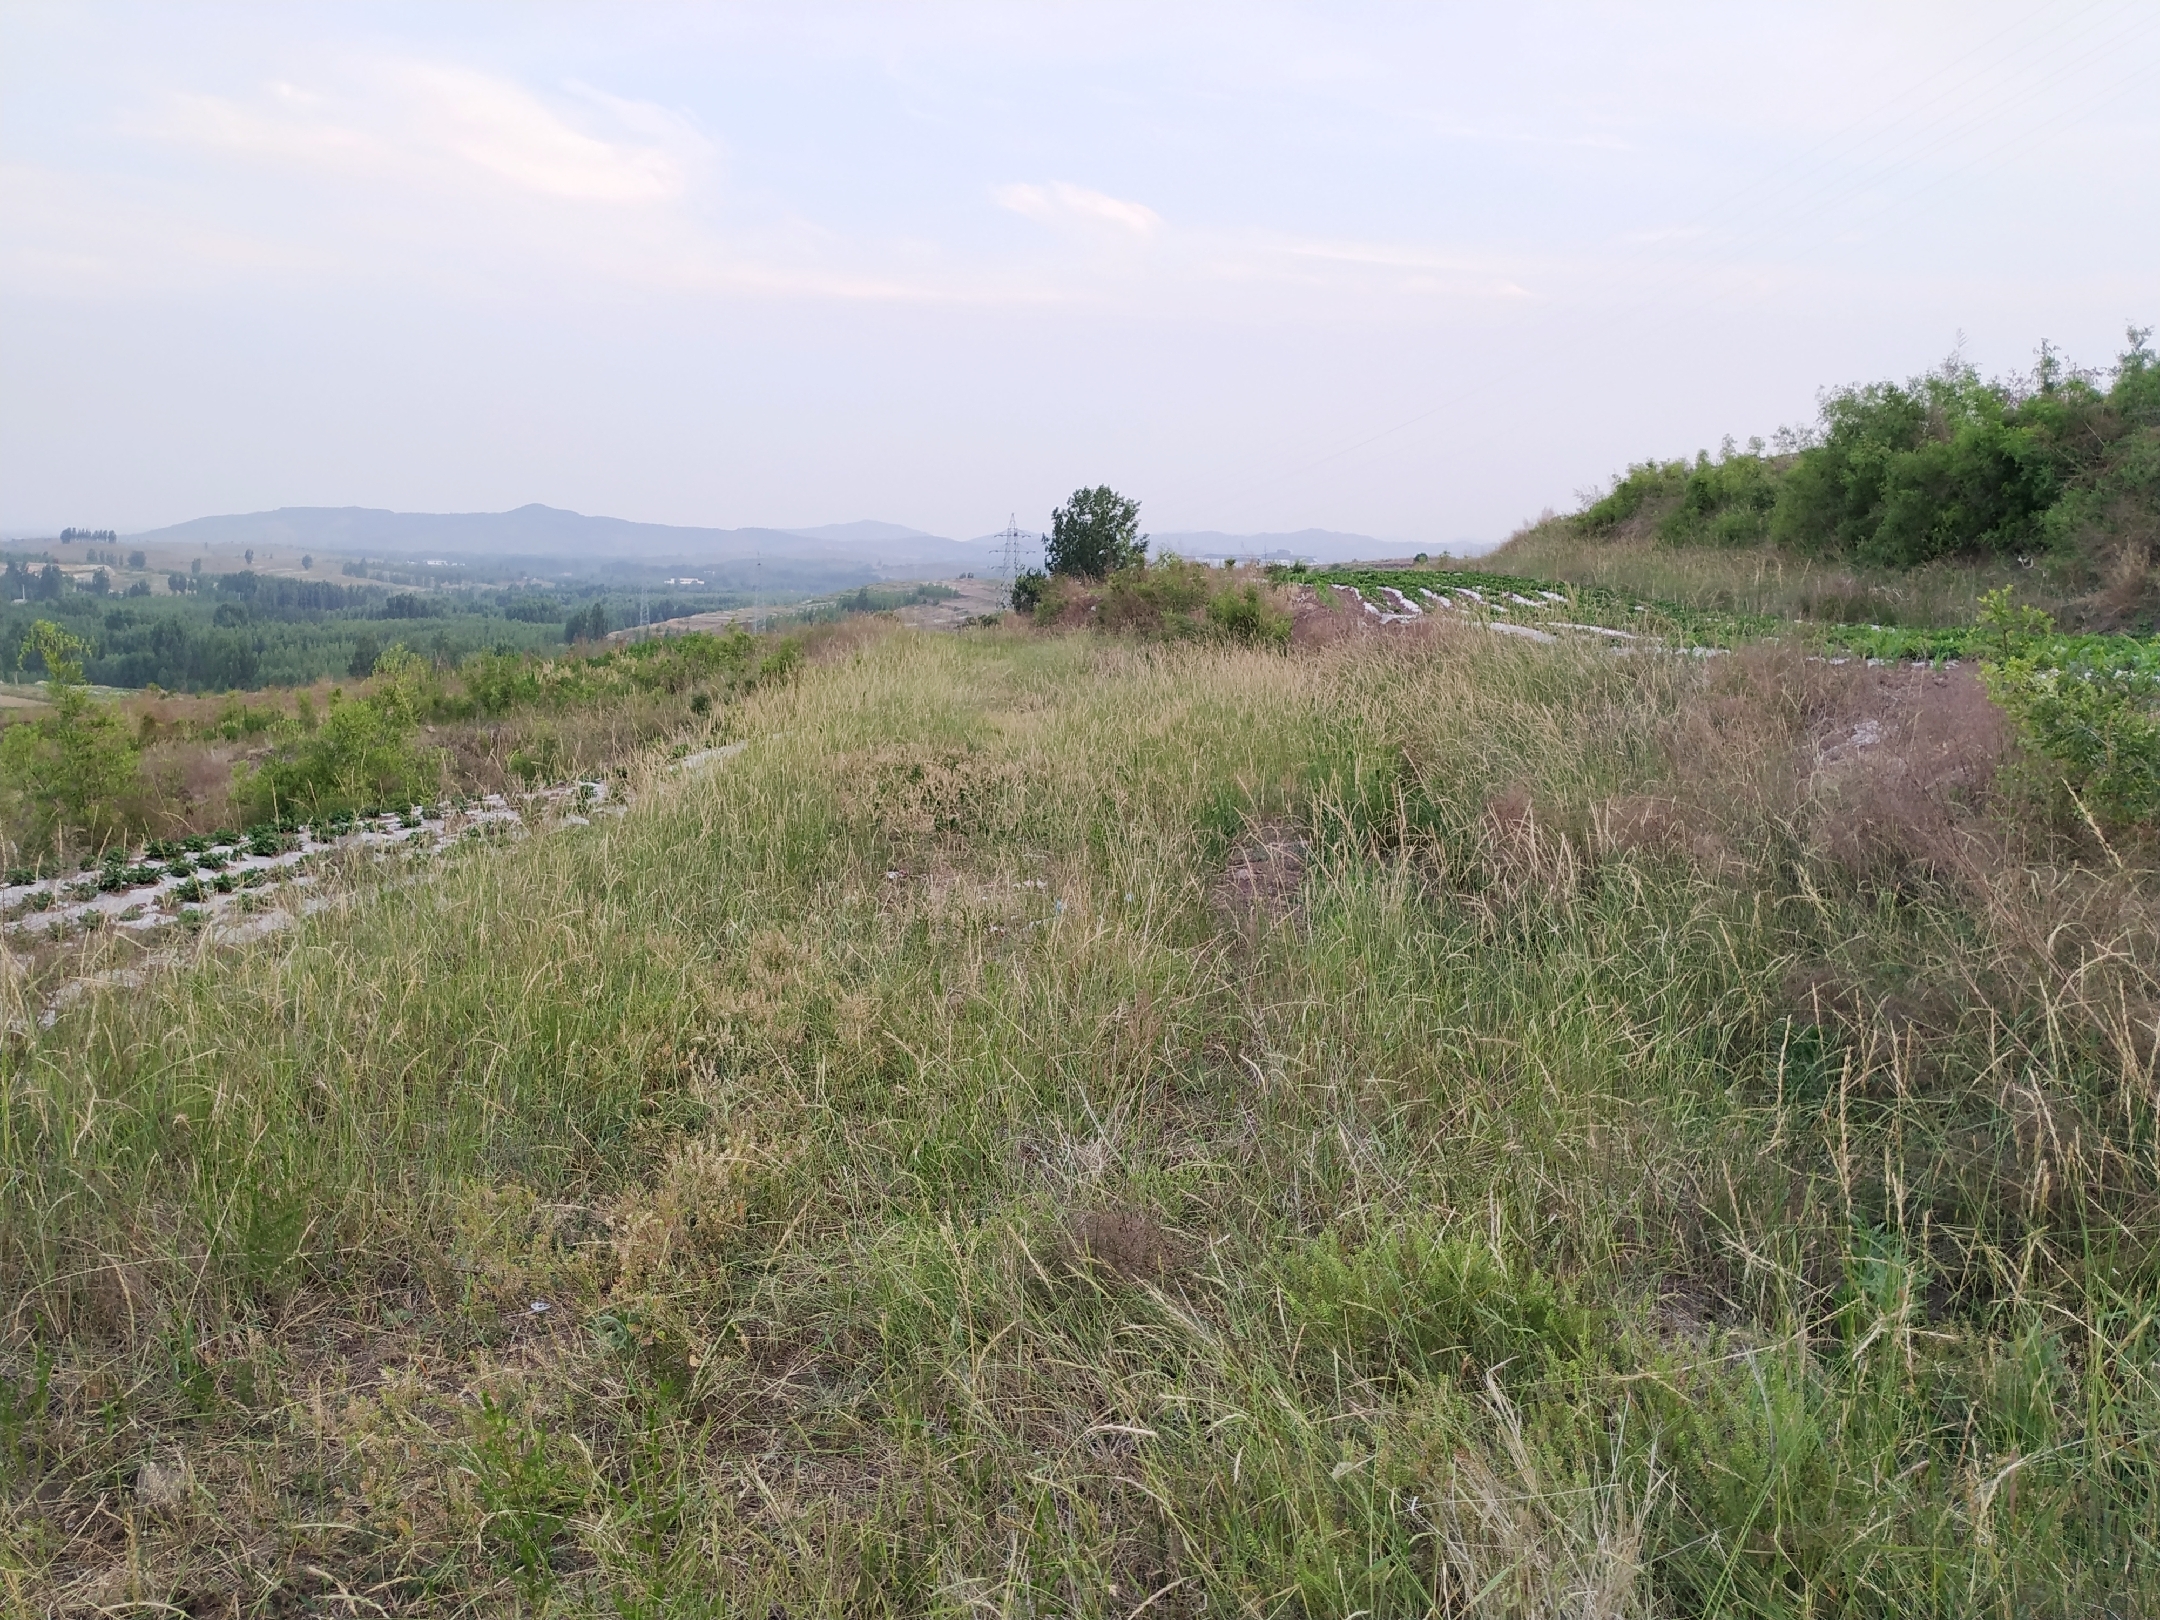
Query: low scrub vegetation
<point x="89" y="774"/>
<point x="1678" y="1137"/>
<point x="2056" y="475"/>
<point x="1099" y="576"/>
<point x="68" y="773"/>
<point x="1169" y="598"/>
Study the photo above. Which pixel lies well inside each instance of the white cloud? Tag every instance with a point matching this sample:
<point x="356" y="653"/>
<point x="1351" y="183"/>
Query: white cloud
<point x="1070" y="206"/>
<point x="504" y="129"/>
<point x="426" y="121"/>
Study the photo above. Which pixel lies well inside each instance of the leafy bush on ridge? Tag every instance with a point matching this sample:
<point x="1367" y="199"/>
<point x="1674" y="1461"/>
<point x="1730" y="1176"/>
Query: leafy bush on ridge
<point x="1945" y="464"/>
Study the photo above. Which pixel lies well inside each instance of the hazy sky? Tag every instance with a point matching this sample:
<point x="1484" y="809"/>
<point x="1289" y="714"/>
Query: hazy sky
<point x="1416" y="271"/>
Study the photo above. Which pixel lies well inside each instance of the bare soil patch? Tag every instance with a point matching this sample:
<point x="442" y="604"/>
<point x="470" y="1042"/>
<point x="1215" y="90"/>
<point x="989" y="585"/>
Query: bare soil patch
<point x="1129" y="1245"/>
<point x="977" y="597"/>
<point x="1259" y="882"/>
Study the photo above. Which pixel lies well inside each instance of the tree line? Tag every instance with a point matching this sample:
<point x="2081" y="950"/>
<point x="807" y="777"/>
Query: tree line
<point x="217" y="632"/>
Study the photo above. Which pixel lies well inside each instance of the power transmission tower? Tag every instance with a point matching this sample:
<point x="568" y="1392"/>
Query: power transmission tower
<point x="1010" y="556"/>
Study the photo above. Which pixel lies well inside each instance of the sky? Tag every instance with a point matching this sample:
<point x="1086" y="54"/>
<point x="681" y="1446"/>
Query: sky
<point x="1414" y="271"/>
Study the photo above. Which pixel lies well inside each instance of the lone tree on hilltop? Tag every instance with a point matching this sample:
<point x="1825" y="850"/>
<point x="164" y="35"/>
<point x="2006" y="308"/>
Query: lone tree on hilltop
<point x="1095" y="533"/>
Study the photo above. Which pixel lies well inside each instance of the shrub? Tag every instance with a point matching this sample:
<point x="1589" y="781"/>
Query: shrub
<point x="1726" y="502"/>
<point x="1027" y="590"/>
<point x="1155" y="599"/>
<point x="1651" y="485"/>
<point x="364" y="752"/>
<point x="1171" y="597"/>
<point x="497" y="682"/>
<point x="66" y="775"/>
<point x="2094" y="732"/>
<point x="1941" y="465"/>
<point x="2087" y="709"/>
<point x="1245" y="614"/>
<point x="777" y="666"/>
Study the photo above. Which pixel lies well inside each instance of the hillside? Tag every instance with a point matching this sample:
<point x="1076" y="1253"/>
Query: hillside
<point x="1417" y="1120"/>
<point x="1903" y="504"/>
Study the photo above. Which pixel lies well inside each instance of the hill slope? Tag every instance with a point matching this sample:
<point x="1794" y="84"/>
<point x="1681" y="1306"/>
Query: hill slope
<point x="1902" y="504"/>
<point x="1447" y="1124"/>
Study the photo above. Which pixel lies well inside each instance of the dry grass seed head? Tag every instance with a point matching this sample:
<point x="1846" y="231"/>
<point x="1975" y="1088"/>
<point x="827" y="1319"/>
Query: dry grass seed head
<point x="916" y="790"/>
<point x="1529" y="854"/>
<point x="1882" y="774"/>
<point x="681" y="1227"/>
<point x="1901" y="765"/>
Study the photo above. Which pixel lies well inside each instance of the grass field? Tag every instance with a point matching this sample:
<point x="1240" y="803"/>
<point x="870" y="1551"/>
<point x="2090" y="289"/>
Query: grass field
<point x="1427" y="1125"/>
<point x="1760" y="581"/>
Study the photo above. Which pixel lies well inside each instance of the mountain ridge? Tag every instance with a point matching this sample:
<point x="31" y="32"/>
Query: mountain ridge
<point x="536" y="530"/>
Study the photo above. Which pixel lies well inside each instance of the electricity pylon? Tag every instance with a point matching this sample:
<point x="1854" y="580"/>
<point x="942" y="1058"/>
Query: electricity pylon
<point x="1011" y="556"/>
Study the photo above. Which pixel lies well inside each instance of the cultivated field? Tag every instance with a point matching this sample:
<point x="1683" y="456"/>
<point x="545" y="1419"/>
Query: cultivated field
<point x="1423" y="1123"/>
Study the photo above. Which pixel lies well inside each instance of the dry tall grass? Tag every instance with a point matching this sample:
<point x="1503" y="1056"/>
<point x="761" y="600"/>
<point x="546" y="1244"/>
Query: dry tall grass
<point x="1668" y="1148"/>
<point x="1831" y="590"/>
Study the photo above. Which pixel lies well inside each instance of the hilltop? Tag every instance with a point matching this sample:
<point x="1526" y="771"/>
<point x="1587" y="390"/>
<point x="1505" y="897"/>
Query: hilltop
<point x="1173" y="1117"/>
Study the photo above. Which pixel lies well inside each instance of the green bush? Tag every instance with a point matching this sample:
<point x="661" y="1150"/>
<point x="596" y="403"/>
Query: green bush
<point x="1155" y="598"/>
<point x="1727" y="502"/>
<point x="1942" y="465"/>
<point x="1027" y="590"/>
<point x="2093" y="732"/>
<point x="1723" y="502"/>
<point x="1175" y="598"/>
<point x="499" y="682"/>
<point x="2087" y="709"/>
<point x="364" y="753"/>
<point x="1245" y="614"/>
<point x="66" y="776"/>
<point x="1647" y="485"/>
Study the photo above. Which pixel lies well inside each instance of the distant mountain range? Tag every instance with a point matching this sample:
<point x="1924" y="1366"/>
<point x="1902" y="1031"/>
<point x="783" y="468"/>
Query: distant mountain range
<point x="550" y="532"/>
<point x="549" y="535"/>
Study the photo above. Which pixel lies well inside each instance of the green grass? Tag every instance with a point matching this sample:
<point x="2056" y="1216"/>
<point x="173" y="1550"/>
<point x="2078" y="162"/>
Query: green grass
<point x="1761" y="581"/>
<point x="1679" y="624"/>
<point x="1595" y="1185"/>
